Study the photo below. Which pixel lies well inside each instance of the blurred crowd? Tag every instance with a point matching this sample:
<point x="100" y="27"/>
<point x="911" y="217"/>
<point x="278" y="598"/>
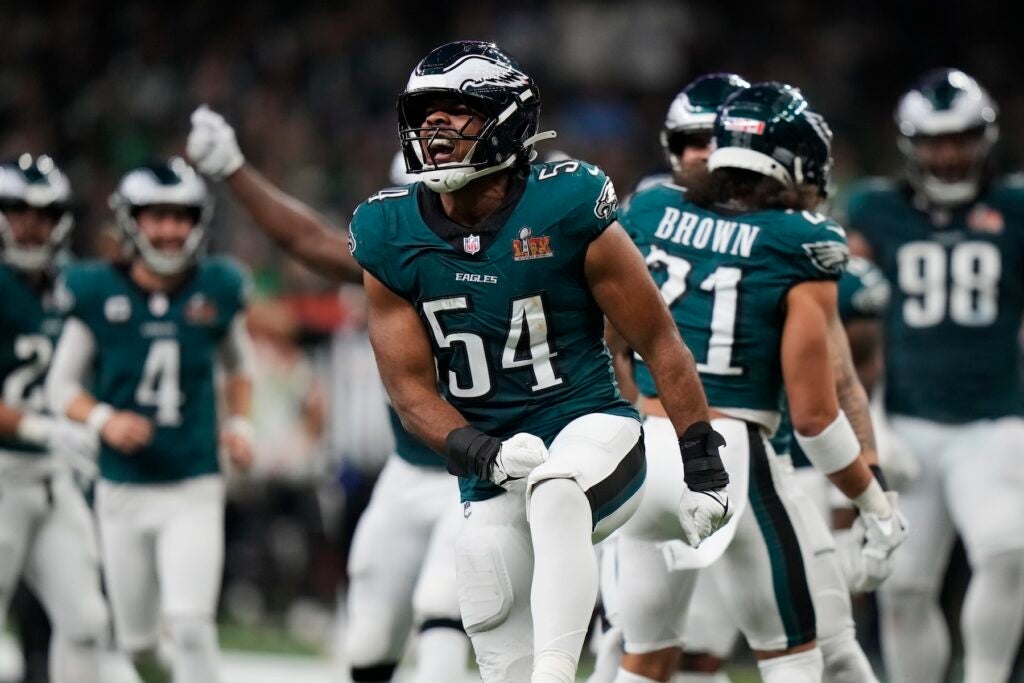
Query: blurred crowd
<point x="103" y="87"/>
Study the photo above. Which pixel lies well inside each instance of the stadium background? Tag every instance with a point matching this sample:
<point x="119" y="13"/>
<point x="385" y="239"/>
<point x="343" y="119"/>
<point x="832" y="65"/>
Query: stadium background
<point x="311" y="90"/>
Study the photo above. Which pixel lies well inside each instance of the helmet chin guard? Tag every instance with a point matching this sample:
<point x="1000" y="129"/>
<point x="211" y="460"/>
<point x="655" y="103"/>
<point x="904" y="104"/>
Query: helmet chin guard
<point x="34" y="183"/>
<point x="451" y="179"/>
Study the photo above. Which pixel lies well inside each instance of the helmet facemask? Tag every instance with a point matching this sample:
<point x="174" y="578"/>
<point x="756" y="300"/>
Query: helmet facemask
<point x="34" y="184"/>
<point x="35" y="258"/>
<point x="950" y="189"/>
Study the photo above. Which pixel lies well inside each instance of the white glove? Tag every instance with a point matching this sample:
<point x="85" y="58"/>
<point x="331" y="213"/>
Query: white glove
<point x="866" y="552"/>
<point x="517" y="458"/>
<point x="212" y="146"/>
<point x="75" y="442"/>
<point x="702" y="513"/>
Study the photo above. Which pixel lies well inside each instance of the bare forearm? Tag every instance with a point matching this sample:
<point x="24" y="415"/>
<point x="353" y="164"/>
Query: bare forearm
<point x="9" y="420"/>
<point x="675" y="375"/>
<point x="297" y="228"/>
<point x="853" y="399"/>
<point x="427" y="416"/>
<point x="238" y="395"/>
<point x="853" y="479"/>
<point x="80" y="407"/>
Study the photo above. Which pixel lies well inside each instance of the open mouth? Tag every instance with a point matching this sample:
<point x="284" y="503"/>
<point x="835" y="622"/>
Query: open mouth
<point x="441" y="150"/>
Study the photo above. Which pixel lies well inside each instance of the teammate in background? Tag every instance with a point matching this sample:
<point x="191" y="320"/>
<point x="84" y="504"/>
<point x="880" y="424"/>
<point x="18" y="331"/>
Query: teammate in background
<point x="150" y="336"/>
<point x="950" y="237"/>
<point x="749" y="272"/>
<point x="402" y="561"/>
<point x="512" y="314"/>
<point x="46" y="530"/>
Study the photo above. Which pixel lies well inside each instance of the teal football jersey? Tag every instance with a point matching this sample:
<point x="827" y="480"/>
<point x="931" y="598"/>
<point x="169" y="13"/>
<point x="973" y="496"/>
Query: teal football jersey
<point x="516" y="333"/>
<point x="952" y="349"/>
<point x="725" y="277"/>
<point x="30" y="323"/>
<point x="863" y="295"/>
<point x="411" y="449"/>
<point x="156" y="356"/>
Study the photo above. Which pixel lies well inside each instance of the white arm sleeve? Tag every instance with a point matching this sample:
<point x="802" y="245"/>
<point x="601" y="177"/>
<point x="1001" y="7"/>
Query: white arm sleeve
<point x="71" y="361"/>
<point x="235" y="349"/>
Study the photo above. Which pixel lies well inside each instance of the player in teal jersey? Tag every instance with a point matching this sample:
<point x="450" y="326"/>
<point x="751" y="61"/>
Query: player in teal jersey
<point x="762" y="268"/>
<point x="46" y="530"/>
<point x="401" y="570"/>
<point x="150" y="336"/>
<point x="950" y="237"/>
<point x="510" y="314"/>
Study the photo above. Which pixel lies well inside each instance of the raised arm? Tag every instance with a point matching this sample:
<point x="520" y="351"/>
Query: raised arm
<point x="294" y="226"/>
<point x="626" y="293"/>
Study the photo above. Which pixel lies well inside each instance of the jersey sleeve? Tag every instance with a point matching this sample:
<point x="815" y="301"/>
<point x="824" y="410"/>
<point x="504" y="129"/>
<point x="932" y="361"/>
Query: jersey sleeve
<point x="76" y="293"/>
<point x="366" y="238"/>
<point x="859" y="207"/>
<point x="232" y="287"/>
<point x="863" y="291"/>
<point x="817" y="248"/>
<point x="596" y="204"/>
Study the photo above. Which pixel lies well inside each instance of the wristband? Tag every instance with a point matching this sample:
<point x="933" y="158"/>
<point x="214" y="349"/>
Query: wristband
<point x="99" y="416"/>
<point x="702" y="465"/>
<point x="240" y="425"/>
<point x="835" y="448"/>
<point x="873" y="501"/>
<point x="34" y="429"/>
<point x="471" y="451"/>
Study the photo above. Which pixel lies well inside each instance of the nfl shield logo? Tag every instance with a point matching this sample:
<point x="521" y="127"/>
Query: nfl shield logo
<point x="471" y="244"/>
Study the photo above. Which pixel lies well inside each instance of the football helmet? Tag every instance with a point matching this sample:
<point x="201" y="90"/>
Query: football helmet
<point x="693" y="111"/>
<point x="172" y="183"/>
<point x="946" y="102"/>
<point x="34" y="182"/>
<point x="491" y="84"/>
<point x="770" y="128"/>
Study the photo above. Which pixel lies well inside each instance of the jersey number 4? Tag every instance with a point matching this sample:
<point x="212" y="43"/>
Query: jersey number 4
<point x="965" y="281"/>
<point x="723" y="283"/>
<point x="160" y="386"/>
<point x="527" y="318"/>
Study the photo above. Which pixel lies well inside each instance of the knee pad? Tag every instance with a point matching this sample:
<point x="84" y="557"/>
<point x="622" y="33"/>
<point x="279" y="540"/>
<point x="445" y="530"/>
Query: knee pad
<point x="485" y="584"/>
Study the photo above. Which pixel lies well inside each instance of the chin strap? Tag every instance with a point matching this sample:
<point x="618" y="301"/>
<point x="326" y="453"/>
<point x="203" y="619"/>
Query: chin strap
<point x="450" y="180"/>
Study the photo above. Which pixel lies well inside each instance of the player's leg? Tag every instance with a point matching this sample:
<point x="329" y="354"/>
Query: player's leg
<point x="651" y="600"/>
<point x="985" y="494"/>
<point x="711" y="636"/>
<point x="763" y="573"/>
<point x="22" y="504"/>
<point x="608" y="638"/>
<point x="387" y="553"/>
<point x="127" y="540"/>
<point x="190" y="561"/>
<point x="915" y="638"/>
<point x="845" y="661"/>
<point x="589" y="486"/>
<point x="494" y="568"/>
<point x="442" y="647"/>
<point x="63" y="569"/>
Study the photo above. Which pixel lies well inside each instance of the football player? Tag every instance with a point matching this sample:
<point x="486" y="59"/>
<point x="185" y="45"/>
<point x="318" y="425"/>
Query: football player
<point x="402" y="561"/>
<point x="749" y="272"/>
<point x="950" y="237"/>
<point x="497" y="271"/>
<point x="150" y="336"/>
<point x="46" y="530"/>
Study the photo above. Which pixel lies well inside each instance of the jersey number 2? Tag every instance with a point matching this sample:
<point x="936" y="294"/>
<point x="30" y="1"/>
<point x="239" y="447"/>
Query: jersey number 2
<point x="160" y="386"/>
<point x="527" y="318"/>
<point x="23" y="387"/>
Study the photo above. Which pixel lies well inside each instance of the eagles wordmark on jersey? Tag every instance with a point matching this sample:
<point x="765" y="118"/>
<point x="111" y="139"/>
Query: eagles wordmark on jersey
<point x="516" y="332"/>
<point x="156" y="357"/>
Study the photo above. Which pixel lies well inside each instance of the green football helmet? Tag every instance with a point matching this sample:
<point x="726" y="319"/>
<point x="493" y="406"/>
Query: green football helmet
<point x="36" y="183"/>
<point x="946" y="102"/>
<point x="770" y="128"/>
<point x="171" y="183"/>
<point x="490" y="83"/>
<point x="693" y="111"/>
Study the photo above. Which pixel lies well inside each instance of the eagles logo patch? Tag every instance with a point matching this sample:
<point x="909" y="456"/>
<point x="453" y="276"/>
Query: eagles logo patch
<point x="351" y="242"/>
<point x="828" y="257"/>
<point x="607" y="201"/>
